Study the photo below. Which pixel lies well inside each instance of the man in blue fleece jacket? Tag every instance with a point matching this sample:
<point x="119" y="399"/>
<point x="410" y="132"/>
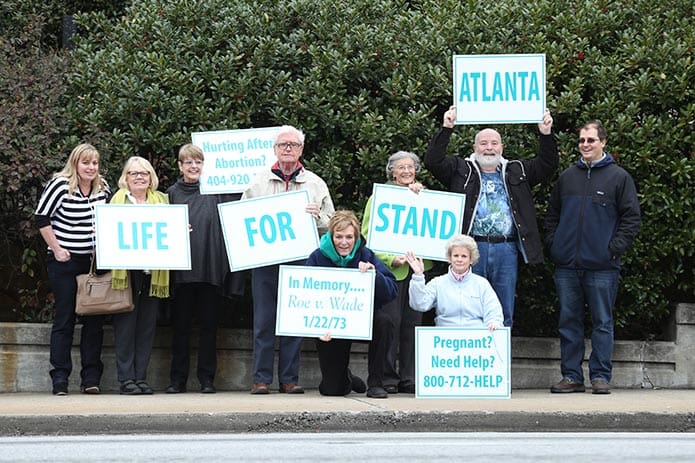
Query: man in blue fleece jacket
<point x="592" y="219"/>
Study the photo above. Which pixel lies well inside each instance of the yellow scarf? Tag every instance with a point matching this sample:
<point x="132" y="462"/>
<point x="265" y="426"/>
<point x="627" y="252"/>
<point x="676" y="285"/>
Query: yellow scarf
<point x="159" y="286"/>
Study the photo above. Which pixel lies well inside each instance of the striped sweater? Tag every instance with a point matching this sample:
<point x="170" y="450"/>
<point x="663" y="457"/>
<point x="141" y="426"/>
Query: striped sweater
<point x="70" y="215"/>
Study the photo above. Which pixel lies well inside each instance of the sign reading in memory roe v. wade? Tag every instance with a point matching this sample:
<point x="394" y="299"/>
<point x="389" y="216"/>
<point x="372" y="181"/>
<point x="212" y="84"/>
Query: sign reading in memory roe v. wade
<point x="462" y="362"/>
<point x="313" y="301"/>
<point x="268" y="230"/>
<point x="142" y="236"/>
<point x="234" y="157"/>
<point x="502" y="89"/>
<point x="401" y="221"/>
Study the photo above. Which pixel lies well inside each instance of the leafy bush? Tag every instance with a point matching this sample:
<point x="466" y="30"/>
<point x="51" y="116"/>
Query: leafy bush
<point x="32" y="120"/>
<point x="15" y="15"/>
<point x="366" y="78"/>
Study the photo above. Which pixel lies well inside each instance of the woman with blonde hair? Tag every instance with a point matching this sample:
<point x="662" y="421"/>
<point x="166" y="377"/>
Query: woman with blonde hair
<point x="343" y="247"/>
<point x="134" y="331"/>
<point x="65" y="218"/>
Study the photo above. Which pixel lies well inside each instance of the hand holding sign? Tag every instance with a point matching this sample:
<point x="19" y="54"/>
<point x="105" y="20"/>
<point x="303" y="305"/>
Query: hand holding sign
<point x="546" y="126"/>
<point x="450" y="118"/>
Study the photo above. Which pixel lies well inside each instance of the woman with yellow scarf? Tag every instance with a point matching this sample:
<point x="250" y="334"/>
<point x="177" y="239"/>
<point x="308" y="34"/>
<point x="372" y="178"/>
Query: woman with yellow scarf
<point x="134" y="331"/>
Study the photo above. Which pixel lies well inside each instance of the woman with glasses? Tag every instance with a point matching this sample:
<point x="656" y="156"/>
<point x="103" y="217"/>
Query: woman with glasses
<point x="65" y="217"/>
<point x="134" y="331"/>
<point x="197" y="293"/>
<point x="399" y="373"/>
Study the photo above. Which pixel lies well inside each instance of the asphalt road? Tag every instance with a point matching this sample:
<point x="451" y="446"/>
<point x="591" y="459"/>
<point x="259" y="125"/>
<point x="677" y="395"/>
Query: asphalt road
<point x="416" y="447"/>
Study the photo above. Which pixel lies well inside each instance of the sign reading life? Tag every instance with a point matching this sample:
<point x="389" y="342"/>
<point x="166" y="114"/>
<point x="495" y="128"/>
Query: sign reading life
<point x="401" y="221"/>
<point x="502" y="89"/>
<point x="142" y="236"/>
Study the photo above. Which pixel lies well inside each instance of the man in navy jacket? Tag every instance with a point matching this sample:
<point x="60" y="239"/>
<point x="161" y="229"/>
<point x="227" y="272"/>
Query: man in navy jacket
<point x="592" y="219"/>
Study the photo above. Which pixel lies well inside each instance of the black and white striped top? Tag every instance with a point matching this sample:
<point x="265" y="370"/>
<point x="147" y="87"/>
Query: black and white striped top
<point x="70" y="215"/>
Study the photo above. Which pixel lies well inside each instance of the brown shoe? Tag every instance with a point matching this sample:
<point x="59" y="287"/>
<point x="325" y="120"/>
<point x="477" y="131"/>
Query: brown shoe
<point x="291" y="388"/>
<point x="568" y="385"/>
<point x="600" y="386"/>
<point x="260" y="388"/>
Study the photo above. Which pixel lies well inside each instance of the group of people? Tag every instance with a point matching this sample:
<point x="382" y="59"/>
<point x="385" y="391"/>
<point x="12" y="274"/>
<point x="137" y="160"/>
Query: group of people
<point x="592" y="218"/>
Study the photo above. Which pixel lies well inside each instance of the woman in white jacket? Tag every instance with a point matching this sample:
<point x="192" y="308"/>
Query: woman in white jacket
<point x="461" y="297"/>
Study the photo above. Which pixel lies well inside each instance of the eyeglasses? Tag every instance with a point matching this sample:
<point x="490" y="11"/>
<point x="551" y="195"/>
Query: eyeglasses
<point x="190" y="162"/>
<point x="284" y="145"/>
<point x="134" y="174"/>
<point x="588" y="140"/>
<point x="404" y="168"/>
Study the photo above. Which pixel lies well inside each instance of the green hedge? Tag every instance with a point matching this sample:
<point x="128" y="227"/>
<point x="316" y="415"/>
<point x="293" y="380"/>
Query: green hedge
<point x="366" y="78"/>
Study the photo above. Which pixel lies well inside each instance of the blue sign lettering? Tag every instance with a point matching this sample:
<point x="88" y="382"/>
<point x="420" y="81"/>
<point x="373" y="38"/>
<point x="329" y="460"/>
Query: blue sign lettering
<point x="270" y="228"/>
<point x="141" y="235"/>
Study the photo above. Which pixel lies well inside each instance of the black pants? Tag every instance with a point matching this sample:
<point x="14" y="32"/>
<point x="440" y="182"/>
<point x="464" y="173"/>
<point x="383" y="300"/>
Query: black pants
<point x="203" y="300"/>
<point x="334" y="358"/>
<point x="400" y="359"/>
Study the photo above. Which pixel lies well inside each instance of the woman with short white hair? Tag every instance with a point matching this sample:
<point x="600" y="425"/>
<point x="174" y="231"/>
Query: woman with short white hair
<point x="461" y="297"/>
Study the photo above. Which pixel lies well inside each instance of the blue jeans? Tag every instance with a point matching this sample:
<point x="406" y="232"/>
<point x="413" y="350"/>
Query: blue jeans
<point x="498" y="264"/>
<point x="61" y="276"/>
<point x="577" y="289"/>
<point x="264" y="284"/>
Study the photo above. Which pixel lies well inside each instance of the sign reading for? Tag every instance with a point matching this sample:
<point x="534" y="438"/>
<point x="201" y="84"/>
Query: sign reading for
<point x="268" y="230"/>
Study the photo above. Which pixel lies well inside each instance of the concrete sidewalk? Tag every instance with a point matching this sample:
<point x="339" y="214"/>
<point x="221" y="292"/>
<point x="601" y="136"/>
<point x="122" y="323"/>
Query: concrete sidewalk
<point x="654" y="410"/>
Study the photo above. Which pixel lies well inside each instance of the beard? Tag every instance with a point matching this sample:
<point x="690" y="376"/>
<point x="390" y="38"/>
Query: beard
<point x="487" y="162"/>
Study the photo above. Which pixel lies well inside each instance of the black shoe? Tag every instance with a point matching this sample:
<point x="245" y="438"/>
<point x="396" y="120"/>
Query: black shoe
<point x="60" y="388"/>
<point x="90" y="389"/>
<point x="405" y="388"/>
<point x="174" y="388"/>
<point x="356" y="383"/>
<point x="207" y="387"/>
<point x="376" y="392"/>
<point x="144" y="387"/>
<point x="391" y="388"/>
<point x="130" y="388"/>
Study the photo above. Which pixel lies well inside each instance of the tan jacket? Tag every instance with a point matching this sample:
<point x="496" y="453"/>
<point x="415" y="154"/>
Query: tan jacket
<point x="267" y="183"/>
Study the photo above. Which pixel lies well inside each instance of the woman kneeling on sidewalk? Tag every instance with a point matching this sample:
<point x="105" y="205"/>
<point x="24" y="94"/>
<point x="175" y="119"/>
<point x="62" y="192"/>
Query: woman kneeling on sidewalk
<point x="342" y="246"/>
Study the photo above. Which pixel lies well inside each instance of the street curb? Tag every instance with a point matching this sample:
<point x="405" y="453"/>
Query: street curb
<point x="317" y="422"/>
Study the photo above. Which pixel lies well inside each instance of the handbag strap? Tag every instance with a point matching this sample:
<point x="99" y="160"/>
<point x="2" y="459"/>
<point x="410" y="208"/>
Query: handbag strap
<point x="92" y="264"/>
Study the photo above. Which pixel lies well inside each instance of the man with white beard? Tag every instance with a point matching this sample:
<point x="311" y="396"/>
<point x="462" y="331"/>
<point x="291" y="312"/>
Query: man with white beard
<point x="499" y="212"/>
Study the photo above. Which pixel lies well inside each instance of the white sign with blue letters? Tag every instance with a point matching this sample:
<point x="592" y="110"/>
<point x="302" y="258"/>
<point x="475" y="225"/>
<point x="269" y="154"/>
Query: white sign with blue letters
<point x="268" y="230"/>
<point x="462" y="363"/>
<point x="142" y="236"/>
<point x="401" y="221"/>
<point x="313" y="301"/>
<point x="234" y="157"/>
<point x="499" y="89"/>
